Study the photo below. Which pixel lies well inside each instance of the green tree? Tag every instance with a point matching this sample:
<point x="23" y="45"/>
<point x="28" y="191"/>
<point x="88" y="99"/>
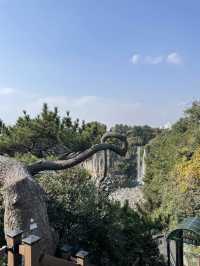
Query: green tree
<point x="48" y="134"/>
<point x="85" y="216"/>
<point x="171" y="149"/>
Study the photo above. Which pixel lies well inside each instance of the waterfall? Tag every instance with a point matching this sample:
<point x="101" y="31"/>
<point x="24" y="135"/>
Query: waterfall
<point x="138" y="163"/>
<point x="141" y="166"/>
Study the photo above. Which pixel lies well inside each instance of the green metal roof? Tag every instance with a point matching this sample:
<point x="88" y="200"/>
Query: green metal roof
<point x="192" y="227"/>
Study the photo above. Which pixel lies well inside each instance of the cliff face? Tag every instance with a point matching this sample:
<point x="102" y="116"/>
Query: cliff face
<point x="117" y="174"/>
<point x="117" y="166"/>
<point x="122" y="187"/>
<point x="96" y="164"/>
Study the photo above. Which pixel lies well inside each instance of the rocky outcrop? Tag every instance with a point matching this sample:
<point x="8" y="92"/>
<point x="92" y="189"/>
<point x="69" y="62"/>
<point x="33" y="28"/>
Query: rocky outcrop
<point x="96" y="164"/>
<point x="118" y="184"/>
<point x="24" y="200"/>
<point x="115" y="177"/>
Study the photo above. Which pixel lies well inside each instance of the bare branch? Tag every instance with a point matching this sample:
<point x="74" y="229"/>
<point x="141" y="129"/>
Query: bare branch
<point x="82" y="156"/>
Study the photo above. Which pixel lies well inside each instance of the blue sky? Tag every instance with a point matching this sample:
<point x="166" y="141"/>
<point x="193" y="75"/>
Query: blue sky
<point x="115" y="61"/>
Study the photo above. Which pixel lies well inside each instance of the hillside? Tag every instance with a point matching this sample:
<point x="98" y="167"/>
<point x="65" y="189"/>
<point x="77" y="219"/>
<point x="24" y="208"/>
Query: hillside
<point x="172" y="178"/>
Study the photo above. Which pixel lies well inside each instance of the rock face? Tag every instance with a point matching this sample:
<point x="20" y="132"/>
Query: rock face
<point x="115" y="178"/>
<point x="121" y="189"/>
<point x="24" y="200"/>
<point x="96" y="164"/>
<point x="135" y="159"/>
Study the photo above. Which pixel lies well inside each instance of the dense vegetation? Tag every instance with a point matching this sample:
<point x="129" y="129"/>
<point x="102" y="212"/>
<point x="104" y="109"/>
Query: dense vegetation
<point x="173" y="171"/>
<point x="48" y="134"/>
<point x="80" y="213"/>
<point x="85" y="216"/>
<point x="137" y="136"/>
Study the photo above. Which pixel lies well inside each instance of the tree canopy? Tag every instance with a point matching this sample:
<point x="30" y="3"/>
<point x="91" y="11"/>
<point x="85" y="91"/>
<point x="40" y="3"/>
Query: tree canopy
<point x="48" y="134"/>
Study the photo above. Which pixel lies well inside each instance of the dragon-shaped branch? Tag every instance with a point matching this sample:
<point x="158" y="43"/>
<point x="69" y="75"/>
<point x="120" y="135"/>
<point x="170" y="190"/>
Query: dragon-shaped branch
<point x="73" y="159"/>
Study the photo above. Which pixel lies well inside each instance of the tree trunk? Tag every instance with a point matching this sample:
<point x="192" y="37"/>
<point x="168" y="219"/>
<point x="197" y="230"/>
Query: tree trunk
<point x="24" y="200"/>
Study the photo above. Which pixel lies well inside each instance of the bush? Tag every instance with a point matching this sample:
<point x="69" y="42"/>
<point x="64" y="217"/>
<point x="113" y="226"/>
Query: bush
<point x="82" y="215"/>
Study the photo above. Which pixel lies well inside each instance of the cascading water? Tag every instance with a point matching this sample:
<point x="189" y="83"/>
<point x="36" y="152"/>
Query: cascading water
<point x="141" y="167"/>
<point x="138" y="163"/>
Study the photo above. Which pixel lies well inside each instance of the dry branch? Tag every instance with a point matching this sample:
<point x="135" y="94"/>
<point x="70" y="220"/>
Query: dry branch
<point x="77" y="158"/>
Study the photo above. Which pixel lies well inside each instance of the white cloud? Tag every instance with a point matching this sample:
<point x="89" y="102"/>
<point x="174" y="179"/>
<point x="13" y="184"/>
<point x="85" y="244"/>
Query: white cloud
<point x="90" y="108"/>
<point x="153" y="60"/>
<point x="135" y="59"/>
<point x="174" y="58"/>
<point x="7" y="91"/>
<point x="149" y="60"/>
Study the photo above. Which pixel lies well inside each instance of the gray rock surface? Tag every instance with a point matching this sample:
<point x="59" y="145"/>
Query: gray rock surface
<point x="24" y="200"/>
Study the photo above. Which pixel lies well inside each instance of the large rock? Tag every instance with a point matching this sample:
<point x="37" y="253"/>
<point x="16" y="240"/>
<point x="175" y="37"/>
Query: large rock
<point x="24" y="200"/>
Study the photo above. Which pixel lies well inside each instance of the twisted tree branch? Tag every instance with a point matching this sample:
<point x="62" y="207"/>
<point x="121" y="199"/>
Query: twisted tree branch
<point x="77" y="158"/>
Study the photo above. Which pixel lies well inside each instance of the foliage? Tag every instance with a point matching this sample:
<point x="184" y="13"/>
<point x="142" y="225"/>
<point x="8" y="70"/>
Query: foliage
<point x="173" y="170"/>
<point x="137" y="135"/>
<point x="80" y="214"/>
<point x="48" y="134"/>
